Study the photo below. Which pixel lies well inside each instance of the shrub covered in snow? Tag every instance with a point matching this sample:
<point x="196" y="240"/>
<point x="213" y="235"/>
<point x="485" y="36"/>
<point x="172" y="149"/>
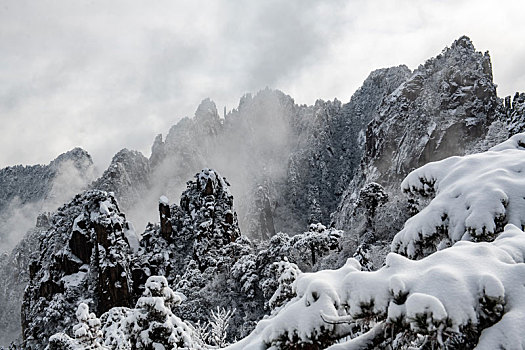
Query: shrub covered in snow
<point x="153" y="325"/>
<point x="473" y="198"/>
<point x="315" y="243"/>
<point x="287" y="273"/>
<point x="87" y="333"/>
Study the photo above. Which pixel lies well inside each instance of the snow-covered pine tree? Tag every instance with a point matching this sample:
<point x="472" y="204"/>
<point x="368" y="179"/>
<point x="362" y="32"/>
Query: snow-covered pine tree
<point x="362" y="255"/>
<point x="287" y="273"/>
<point x="316" y="242"/>
<point x="371" y="197"/>
<point x="153" y="325"/>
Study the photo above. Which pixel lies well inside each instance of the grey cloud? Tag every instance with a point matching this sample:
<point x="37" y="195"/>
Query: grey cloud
<point x="105" y="76"/>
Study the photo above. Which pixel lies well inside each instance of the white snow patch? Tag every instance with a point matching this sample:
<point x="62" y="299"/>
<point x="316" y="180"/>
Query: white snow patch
<point x="164" y="200"/>
<point x="73" y="280"/>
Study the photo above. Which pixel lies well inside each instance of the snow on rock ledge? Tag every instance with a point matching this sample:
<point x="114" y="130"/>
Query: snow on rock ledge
<point x="471" y="293"/>
<point x="475" y="196"/>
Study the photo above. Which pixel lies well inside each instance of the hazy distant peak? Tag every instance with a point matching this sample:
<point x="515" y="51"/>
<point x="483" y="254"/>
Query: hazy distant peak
<point x="464" y="42"/>
<point x="384" y="72"/>
<point x="126" y="154"/>
<point x="264" y="95"/>
<point x="80" y="157"/>
<point x="206" y="110"/>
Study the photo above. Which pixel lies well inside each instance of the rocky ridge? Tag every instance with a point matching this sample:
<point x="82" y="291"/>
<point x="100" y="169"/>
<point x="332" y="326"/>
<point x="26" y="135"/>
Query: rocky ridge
<point x="448" y="106"/>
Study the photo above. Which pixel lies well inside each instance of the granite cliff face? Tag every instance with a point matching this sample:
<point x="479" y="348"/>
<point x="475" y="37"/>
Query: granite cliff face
<point x="448" y="106"/>
<point x="515" y="113"/>
<point x="329" y="149"/>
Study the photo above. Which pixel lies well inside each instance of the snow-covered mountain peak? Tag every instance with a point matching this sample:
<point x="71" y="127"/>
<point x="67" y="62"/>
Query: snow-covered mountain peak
<point x="80" y="158"/>
<point x="206" y="110"/>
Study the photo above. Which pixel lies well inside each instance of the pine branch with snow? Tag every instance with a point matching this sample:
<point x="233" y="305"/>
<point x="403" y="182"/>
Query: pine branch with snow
<point x="473" y="198"/>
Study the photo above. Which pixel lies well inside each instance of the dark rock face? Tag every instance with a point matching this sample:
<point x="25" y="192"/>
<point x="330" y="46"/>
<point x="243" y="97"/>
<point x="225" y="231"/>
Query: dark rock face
<point x="443" y="109"/>
<point x="84" y="255"/>
<point x="515" y="113"/>
<point x="166" y="229"/>
<point x="80" y="245"/>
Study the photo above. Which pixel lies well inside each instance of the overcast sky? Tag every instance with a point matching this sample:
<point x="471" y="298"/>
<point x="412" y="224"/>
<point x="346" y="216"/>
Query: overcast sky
<point x="105" y="75"/>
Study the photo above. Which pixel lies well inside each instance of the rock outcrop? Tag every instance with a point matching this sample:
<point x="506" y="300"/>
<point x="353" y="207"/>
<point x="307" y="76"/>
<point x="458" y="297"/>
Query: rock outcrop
<point x="515" y="113"/>
<point x="83" y="256"/>
<point x="445" y="108"/>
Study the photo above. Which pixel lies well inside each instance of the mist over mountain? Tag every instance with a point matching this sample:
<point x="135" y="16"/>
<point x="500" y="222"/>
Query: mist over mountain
<point x="287" y="163"/>
<point x="259" y="206"/>
<point x="26" y="191"/>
